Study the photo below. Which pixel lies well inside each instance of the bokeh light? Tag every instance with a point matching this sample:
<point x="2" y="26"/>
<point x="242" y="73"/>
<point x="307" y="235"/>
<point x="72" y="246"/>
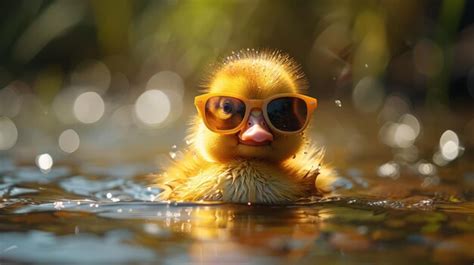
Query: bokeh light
<point x="172" y="85"/>
<point x="8" y="133"/>
<point x="166" y="80"/>
<point x="426" y="169"/>
<point x="439" y="159"/>
<point x="44" y="162"/>
<point x="401" y="134"/>
<point x="10" y="102"/>
<point x="368" y="95"/>
<point x="152" y="107"/>
<point x="449" y="145"/>
<point x="69" y="141"/>
<point x="404" y="135"/>
<point x="394" y="107"/>
<point x="390" y="169"/>
<point x="89" y="107"/>
<point x="412" y="122"/>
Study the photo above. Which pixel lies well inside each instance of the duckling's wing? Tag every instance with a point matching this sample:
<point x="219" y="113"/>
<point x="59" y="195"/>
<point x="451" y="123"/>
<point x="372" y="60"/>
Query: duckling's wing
<point x="308" y="165"/>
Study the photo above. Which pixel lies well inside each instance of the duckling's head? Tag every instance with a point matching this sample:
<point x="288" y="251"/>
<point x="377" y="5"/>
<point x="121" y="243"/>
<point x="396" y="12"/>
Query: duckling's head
<point x="251" y="75"/>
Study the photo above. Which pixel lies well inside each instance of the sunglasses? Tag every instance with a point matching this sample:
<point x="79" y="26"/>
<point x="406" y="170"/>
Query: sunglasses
<point x="284" y="113"/>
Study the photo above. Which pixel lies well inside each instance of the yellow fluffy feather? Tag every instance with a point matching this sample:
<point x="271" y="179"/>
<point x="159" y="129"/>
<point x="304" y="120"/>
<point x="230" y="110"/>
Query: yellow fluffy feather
<point x="217" y="168"/>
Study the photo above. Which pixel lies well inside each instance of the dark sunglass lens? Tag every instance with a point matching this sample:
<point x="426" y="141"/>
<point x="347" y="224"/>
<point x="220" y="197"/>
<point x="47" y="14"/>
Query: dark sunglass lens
<point x="224" y="113"/>
<point x="287" y="113"/>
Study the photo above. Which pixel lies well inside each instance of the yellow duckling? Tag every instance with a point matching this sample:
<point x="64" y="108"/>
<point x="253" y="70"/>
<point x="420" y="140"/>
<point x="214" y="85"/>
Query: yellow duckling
<point x="248" y="143"/>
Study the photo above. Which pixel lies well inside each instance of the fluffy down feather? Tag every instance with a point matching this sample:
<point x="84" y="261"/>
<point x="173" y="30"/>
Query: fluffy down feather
<point x="217" y="168"/>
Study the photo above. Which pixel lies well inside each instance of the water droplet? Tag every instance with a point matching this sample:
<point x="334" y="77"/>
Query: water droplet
<point x="109" y="195"/>
<point x="249" y="203"/>
<point x="172" y="155"/>
<point x="338" y="103"/>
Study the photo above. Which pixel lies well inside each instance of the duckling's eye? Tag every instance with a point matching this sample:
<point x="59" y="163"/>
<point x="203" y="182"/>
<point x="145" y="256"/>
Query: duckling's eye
<point x="227" y="107"/>
<point x="224" y="113"/>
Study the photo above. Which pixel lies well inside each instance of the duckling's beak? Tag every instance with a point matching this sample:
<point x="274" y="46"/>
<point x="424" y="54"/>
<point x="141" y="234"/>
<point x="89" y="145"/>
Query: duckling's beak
<point x="256" y="131"/>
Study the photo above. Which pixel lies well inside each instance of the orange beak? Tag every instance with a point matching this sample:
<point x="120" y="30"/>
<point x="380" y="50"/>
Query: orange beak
<point x="256" y="131"/>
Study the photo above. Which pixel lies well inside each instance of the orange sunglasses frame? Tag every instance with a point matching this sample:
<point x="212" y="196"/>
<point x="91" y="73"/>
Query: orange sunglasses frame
<point x="250" y="104"/>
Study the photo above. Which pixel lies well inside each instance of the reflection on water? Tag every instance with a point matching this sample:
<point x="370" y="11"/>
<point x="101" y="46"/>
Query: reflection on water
<point x="38" y="246"/>
<point x="103" y="214"/>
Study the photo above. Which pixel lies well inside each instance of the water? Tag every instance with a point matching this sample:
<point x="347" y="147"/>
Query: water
<point x="105" y="214"/>
<point x="400" y="199"/>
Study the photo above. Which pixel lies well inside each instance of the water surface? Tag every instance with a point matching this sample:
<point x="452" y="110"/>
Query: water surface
<point x="92" y="213"/>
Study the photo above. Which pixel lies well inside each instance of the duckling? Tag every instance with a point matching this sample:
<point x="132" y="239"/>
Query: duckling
<point x="247" y="141"/>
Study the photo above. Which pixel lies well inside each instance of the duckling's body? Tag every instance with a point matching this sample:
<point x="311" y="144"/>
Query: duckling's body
<point x="242" y="180"/>
<point x="231" y="168"/>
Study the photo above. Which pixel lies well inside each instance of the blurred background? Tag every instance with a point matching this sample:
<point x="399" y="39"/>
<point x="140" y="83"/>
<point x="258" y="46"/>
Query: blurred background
<point x="114" y="80"/>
